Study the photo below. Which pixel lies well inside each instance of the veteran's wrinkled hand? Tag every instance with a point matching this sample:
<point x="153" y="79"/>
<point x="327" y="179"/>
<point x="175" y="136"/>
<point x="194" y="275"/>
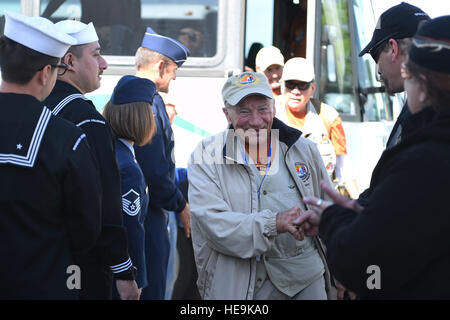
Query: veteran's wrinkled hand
<point x="285" y="223"/>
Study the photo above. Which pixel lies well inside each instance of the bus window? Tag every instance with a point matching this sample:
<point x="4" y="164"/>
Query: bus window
<point x="336" y="74"/>
<point x="192" y="22"/>
<point x="121" y="24"/>
<point x="11" y="6"/>
<point x="377" y="105"/>
<point x="258" y="34"/>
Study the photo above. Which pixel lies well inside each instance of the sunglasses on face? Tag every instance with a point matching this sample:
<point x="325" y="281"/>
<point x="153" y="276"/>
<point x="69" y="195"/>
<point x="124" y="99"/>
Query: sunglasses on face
<point x="300" y="85"/>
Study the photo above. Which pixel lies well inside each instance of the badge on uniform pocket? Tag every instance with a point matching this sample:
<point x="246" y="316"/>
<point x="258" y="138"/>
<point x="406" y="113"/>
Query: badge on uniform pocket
<point x="302" y="171"/>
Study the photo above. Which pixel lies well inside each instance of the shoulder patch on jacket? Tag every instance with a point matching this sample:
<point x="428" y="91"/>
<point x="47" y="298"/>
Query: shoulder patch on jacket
<point x="131" y="203"/>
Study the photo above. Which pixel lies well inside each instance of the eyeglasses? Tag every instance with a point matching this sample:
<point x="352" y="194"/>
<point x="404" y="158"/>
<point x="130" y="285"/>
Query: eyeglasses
<point x="404" y="72"/>
<point x="62" y="68"/>
<point x="302" y="86"/>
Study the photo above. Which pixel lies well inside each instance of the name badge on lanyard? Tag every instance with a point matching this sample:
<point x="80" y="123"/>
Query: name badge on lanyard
<point x="269" y="161"/>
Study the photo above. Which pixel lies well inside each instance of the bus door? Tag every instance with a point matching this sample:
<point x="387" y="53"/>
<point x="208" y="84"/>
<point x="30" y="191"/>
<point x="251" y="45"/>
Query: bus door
<point x="349" y="83"/>
<point x="331" y="33"/>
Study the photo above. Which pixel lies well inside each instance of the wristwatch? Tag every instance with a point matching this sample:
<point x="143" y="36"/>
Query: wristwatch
<point x="129" y="274"/>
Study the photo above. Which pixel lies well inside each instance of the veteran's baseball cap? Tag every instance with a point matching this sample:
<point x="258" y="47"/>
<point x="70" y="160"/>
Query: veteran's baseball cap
<point x="244" y="84"/>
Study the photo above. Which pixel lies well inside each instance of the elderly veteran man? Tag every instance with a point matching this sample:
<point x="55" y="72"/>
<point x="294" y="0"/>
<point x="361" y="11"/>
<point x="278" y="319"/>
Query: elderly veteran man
<point x="157" y="60"/>
<point x="245" y="188"/>
<point x="49" y="207"/>
<point x="67" y="100"/>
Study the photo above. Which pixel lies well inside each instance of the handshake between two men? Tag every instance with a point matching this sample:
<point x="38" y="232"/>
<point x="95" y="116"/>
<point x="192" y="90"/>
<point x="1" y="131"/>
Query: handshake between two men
<point x="301" y="223"/>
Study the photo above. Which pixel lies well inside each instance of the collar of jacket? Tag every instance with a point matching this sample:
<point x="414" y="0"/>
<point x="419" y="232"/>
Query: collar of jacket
<point x="67" y="88"/>
<point x="25" y="120"/>
<point x="428" y="125"/>
<point x="62" y="90"/>
<point x="287" y="135"/>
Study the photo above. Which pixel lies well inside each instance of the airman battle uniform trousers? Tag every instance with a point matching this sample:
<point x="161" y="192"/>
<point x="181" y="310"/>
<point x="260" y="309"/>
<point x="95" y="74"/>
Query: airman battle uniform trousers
<point x="110" y="252"/>
<point x="50" y="210"/>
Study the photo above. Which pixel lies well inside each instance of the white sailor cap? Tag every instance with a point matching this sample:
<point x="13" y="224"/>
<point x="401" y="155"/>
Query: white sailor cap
<point x="83" y="33"/>
<point x="37" y="33"/>
<point x="167" y="46"/>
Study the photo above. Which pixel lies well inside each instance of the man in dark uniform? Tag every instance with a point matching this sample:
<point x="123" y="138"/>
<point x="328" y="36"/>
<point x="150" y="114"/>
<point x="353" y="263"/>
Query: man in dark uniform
<point x="50" y="209"/>
<point x="67" y="100"/>
<point x="157" y="60"/>
<point x="389" y="46"/>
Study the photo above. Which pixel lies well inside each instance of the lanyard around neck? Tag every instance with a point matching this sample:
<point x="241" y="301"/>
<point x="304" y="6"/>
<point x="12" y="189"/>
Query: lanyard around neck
<point x="269" y="162"/>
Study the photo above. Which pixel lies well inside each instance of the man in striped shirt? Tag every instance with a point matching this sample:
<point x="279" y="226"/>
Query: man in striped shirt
<point x="110" y="255"/>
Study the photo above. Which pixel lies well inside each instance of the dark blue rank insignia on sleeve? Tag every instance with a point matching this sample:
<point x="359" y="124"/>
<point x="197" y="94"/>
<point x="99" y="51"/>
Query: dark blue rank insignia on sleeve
<point x="131" y="203"/>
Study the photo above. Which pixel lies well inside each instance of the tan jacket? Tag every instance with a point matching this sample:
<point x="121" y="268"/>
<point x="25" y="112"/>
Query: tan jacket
<point x="227" y="231"/>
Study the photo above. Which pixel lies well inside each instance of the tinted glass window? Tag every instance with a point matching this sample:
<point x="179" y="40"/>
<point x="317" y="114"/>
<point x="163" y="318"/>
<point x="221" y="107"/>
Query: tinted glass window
<point x="121" y="24"/>
<point x="377" y="106"/>
<point x="336" y="82"/>
<point x="8" y="5"/>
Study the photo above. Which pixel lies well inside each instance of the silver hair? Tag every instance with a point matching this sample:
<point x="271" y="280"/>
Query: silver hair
<point x="145" y="57"/>
<point x="228" y="106"/>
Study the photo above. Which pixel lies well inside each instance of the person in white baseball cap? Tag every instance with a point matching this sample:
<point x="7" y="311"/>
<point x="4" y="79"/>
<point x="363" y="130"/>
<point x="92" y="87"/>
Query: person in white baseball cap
<point x="318" y="121"/>
<point x="46" y="217"/>
<point x="110" y="255"/>
<point x="270" y="61"/>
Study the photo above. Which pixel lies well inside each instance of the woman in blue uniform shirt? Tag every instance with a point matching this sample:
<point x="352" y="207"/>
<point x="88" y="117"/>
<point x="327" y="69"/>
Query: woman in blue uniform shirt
<point x="130" y="115"/>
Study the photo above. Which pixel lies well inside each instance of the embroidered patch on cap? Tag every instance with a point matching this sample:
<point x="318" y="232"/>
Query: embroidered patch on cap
<point x="302" y="171"/>
<point x="246" y="79"/>
<point x="131" y="203"/>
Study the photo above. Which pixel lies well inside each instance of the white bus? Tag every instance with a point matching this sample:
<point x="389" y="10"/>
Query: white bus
<point x="329" y="32"/>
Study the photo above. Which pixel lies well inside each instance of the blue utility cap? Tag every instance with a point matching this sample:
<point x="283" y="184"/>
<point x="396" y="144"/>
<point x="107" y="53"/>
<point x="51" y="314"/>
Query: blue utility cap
<point x="169" y="47"/>
<point x="133" y="89"/>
